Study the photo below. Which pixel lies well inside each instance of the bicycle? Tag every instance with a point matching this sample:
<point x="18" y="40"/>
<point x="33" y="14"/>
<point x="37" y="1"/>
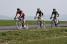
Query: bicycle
<point x="20" y="23"/>
<point x="40" y="22"/>
<point x="54" y="22"/>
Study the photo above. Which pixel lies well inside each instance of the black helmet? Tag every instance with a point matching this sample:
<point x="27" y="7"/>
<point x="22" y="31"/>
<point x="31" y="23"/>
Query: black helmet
<point x="54" y="9"/>
<point x="38" y="8"/>
<point x="18" y="9"/>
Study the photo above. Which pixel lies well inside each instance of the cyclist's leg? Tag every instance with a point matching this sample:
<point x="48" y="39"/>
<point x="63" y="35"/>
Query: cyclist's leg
<point x="40" y="22"/>
<point x="56" y="22"/>
<point x="22" y="22"/>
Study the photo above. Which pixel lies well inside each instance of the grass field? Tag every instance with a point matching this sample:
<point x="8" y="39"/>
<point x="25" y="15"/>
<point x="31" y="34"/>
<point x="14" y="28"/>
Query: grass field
<point x="12" y="22"/>
<point x="39" y="36"/>
<point x="32" y="36"/>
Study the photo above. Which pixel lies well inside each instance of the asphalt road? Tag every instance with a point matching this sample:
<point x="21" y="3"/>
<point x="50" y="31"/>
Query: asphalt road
<point x="29" y="27"/>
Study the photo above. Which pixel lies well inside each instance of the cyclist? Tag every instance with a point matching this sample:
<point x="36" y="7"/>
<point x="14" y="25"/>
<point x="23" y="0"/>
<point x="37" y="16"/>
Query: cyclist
<point x="39" y="15"/>
<point x="20" y="15"/>
<point x="55" y="15"/>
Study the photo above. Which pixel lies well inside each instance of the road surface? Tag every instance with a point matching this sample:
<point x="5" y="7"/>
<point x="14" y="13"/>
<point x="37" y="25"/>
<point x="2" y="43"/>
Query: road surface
<point x="29" y="27"/>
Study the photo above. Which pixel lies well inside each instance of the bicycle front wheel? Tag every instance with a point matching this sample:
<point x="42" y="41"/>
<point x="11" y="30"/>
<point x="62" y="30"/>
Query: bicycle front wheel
<point x="19" y="25"/>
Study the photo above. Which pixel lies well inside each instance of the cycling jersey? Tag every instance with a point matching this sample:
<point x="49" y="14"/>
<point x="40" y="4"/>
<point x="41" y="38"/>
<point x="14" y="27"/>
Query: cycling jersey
<point x="55" y="14"/>
<point x="40" y="13"/>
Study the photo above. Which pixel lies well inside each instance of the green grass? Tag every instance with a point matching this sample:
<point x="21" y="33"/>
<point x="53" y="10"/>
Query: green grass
<point x="7" y="22"/>
<point x="39" y="36"/>
<point x="12" y="22"/>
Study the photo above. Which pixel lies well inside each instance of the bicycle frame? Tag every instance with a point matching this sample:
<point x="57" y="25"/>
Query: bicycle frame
<point x="19" y="23"/>
<point x="54" y="22"/>
<point x="40" y="22"/>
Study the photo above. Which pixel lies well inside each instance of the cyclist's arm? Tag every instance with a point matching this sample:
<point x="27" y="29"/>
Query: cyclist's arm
<point x="58" y="14"/>
<point x="42" y="13"/>
<point x="51" y="15"/>
<point x="36" y="13"/>
<point x="15" y="16"/>
<point x="16" y="13"/>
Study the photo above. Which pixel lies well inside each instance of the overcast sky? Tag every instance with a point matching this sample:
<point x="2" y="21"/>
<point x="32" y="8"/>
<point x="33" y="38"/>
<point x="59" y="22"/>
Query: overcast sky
<point x="8" y="8"/>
